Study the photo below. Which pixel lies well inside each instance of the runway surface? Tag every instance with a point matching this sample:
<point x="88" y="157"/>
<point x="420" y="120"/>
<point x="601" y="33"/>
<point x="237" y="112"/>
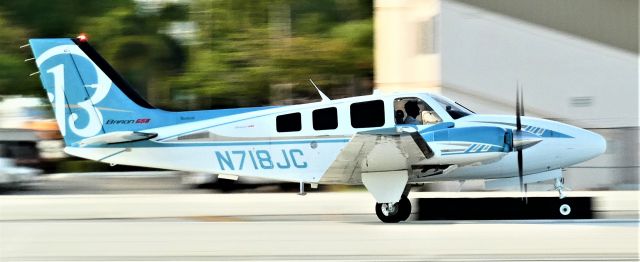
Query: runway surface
<point x="323" y="226"/>
<point x="325" y="239"/>
<point x="165" y="226"/>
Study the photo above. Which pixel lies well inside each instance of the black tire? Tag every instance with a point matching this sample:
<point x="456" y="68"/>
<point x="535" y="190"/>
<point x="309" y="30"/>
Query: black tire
<point x="401" y="213"/>
<point x="405" y="208"/>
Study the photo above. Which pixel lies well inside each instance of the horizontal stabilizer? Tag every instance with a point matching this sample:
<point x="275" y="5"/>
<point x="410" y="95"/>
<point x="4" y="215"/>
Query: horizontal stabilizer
<point x="116" y="137"/>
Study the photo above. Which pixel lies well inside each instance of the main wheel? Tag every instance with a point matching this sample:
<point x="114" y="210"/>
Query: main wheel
<point x="394" y="212"/>
<point x="388" y="212"/>
<point x="405" y="208"/>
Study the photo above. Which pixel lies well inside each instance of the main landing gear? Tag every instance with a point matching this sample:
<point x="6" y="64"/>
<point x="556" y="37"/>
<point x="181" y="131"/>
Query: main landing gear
<point x="394" y="212"/>
<point x="390" y="189"/>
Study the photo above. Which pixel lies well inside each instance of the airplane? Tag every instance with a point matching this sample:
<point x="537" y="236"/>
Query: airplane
<point x="386" y="142"/>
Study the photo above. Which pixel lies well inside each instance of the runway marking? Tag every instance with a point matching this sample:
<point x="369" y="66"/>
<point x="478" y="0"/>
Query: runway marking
<point x="325" y="258"/>
<point x="214" y="218"/>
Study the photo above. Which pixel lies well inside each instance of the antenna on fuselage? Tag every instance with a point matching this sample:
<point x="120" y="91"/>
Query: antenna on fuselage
<point x="322" y="95"/>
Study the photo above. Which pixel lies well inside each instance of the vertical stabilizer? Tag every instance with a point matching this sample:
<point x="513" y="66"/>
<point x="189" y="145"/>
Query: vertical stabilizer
<point x="89" y="98"/>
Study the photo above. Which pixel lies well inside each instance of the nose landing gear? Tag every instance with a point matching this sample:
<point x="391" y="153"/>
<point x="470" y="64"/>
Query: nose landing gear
<point x="565" y="208"/>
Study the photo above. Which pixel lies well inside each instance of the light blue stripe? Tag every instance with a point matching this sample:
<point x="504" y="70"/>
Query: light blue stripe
<point x="546" y="133"/>
<point x="270" y="142"/>
<point x="477" y="152"/>
<point x="143" y="144"/>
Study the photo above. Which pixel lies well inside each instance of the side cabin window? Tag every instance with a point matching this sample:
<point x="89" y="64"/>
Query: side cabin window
<point x="414" y="111"/>
<point x="367" y="114"/>
<point x="289" y="122"/>
<point x="325" y="118"/>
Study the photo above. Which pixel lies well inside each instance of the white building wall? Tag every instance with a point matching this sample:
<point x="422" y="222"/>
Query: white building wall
<point x="583" y="83"/>
<point x="485" y="55"/>
<point x="400" y="61"/>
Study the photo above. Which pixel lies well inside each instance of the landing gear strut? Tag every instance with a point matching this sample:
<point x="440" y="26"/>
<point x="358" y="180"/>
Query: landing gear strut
<point x="394" y="212"/>
<point x="559" y="185"/>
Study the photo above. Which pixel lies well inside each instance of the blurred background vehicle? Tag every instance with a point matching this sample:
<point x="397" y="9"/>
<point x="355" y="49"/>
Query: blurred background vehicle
<point x="12" y="176"/>
<point x="30" y="135"/>
<point x="235" y="184"/>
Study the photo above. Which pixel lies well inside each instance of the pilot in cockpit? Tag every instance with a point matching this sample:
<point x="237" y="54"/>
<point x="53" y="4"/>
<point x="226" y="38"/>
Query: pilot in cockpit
<point x="412" y="109"/>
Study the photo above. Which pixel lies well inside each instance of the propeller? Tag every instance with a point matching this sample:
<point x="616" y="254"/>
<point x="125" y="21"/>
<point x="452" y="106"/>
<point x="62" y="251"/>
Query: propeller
<point x="519" y="111"/>
<point x="522" y="139"/>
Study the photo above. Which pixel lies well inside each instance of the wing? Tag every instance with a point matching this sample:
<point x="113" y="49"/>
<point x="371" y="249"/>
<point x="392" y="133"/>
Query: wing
<point x="376" y="151"/>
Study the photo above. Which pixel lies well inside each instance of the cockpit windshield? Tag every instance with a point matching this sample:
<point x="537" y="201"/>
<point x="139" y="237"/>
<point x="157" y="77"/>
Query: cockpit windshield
<point x="454" y="109"/>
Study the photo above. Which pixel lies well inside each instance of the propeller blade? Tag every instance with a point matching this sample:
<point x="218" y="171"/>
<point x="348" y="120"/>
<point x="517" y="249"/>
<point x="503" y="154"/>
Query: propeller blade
<point x="526" y="199"/>
<point x="522" y="142"/>
<point x="520" y="170"/>
<point x="518" y="123"/>
<point x="521" y="101"/>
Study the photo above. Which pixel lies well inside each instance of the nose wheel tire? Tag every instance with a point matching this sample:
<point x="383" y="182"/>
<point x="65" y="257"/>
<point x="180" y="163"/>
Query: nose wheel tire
<point x="565" y="209"/>
<point x="394" y="212"/>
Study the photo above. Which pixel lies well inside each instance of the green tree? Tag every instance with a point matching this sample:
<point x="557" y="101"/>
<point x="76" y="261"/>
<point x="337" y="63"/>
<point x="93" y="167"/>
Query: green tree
<point x="130" y="38"/>
<point x="241" y="51"/>
<point x="60" y="18"/>
<point x="245" y="48"/>
<point x="14" y="72"/>
<point x="131" y="41"/>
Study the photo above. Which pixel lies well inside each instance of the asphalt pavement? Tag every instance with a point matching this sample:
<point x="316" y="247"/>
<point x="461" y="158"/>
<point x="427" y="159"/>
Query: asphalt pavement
<point x="164" y="221"/>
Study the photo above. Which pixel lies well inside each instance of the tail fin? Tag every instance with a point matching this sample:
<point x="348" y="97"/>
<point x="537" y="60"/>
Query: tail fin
<point x="89" y="98"/>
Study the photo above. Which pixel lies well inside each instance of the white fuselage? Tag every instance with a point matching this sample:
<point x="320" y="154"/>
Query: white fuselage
<point x="248" y="144"/>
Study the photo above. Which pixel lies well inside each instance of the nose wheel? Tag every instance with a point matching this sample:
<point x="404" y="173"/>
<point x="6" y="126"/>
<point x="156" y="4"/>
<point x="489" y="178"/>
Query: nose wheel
<point x="394" y="212"/>
<point x="565" y="209"/>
